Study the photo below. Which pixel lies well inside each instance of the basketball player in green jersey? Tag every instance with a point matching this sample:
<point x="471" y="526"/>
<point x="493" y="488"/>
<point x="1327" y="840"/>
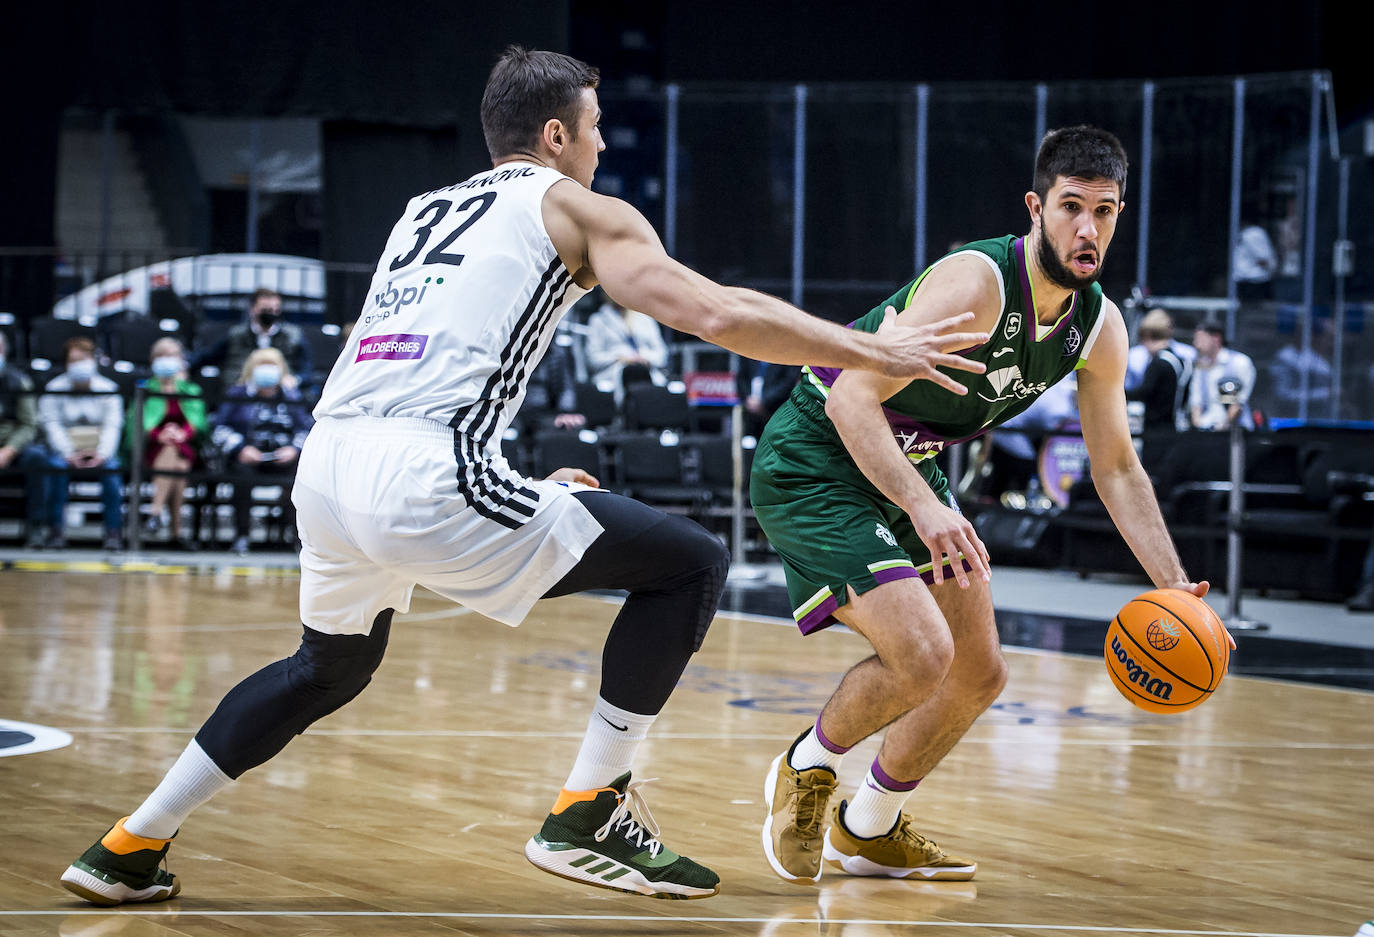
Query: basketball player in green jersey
<point x="846" y="488"/>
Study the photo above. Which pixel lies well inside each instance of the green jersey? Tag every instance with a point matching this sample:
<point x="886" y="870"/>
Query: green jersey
<point x="1022" y="356"/>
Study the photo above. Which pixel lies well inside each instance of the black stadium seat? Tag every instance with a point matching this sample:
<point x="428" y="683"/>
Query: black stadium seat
<point x="555" y="449"/>
<point x="47" y="336"/>
<point x="648" y="406"/>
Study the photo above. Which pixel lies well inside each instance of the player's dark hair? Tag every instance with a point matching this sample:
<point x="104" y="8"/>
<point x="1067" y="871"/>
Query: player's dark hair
<point x="1082" y="151"/>
<point x="526" y="89"/>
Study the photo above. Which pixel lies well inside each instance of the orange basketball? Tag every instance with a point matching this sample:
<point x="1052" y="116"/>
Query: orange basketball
<point x="1166" y="651"/>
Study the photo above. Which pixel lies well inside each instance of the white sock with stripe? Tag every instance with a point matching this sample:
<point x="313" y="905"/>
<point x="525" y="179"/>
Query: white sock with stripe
<point x="814" y="750"/>
<point x="877" y="805"/>
<point x="608" y="748"/>
<point x="193" y="780"/>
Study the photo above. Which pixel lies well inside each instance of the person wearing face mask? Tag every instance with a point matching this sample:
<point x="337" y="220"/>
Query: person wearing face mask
<point x="173" y="424"/>
<point x="260" y="429"/>
<point x="265" y="327"/>
<point x="82" y="417"/>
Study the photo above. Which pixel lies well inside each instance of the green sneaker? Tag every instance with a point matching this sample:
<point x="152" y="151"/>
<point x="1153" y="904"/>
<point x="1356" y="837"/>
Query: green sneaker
<point x="121" y="867"/>
<point x="608" y="838"/>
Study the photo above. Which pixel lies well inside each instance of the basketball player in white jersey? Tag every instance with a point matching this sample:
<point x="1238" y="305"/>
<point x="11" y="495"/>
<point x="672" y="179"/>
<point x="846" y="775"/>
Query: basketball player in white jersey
<point x="402" y="481"/>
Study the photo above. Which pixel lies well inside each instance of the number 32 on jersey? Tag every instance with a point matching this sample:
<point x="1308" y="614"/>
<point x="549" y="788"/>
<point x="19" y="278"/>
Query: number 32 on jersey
<point x="435" y="212"/>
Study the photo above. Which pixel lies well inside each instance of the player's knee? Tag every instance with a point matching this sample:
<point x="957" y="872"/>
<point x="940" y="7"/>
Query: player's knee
<point x="340" y="665"/>
<point x="700" y="550"/>
<point x="712" y="563"/>
<point x="993" y="681"/>
<point x="921" y="661"/>
<point x="981" y="676"/>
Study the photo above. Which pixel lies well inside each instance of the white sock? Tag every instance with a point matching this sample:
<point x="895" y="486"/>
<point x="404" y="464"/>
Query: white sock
<point x="815" y="751"/>
<point x="608" y="748"/>
<point x="878" y="803"/>
<point x="193" y="780"/>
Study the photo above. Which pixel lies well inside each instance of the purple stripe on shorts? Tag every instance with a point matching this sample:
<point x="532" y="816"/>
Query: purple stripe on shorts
<point x="889" y="782"/>
<point x="826" y="743"/>
<point x="895" y="573"/>
<point x="928" y="577"/>
<point x="822" y="616"/>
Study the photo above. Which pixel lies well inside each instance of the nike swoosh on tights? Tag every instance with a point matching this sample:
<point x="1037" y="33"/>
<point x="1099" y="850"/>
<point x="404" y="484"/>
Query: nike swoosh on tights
<point x="613" y="725"/>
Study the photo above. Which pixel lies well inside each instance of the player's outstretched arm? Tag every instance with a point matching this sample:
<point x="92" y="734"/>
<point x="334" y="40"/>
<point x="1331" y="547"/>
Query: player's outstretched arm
<point x="606" y="240"/>
<point x="1120" y="479"/>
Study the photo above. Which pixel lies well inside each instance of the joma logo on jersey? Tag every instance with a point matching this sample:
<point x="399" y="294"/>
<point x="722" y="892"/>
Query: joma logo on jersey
<point x="391" y="301"/>
<point x="1139" y="675"/>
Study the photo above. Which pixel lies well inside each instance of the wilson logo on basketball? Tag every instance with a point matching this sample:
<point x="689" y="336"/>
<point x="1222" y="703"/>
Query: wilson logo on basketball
<point x="1162" y="634"/>
<point x="1139" y="675"/>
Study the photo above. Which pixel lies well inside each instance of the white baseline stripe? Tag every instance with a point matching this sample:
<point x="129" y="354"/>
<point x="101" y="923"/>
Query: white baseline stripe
<point x="661" y="919"/>
<point x="1031" y="739"/>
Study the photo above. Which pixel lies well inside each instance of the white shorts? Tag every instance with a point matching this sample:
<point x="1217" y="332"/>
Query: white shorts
<point x="381" y="507"/>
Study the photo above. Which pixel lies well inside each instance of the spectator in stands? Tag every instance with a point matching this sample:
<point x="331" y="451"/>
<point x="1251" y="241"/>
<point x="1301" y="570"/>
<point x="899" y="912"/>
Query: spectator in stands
<point x="625" y="347"/>
<point x="1254" y="263"/>
<point x="763" y="386"/>
<point x="265" y="328"/>
<point x="1164" y="387"/>
<point x="19" y="448"/>
<point x="260" y="429"/>
<point x="1216" y="371"/>
<point x="552" y="388"/>
<point x="1138" y="358"/>
<point x="172" y="428"/>
<point x="82" y="416"/>
<point x="1286" y="375"/>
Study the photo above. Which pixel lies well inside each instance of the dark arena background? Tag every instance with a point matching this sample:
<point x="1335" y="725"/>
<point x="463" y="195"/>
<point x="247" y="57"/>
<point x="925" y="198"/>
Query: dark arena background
<point x="165" y="160"/>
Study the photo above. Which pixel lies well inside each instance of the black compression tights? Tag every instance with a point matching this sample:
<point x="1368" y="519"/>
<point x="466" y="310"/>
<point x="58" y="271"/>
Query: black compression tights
<point x="672" y="568"/>
<point x="258" y="717"/>
<point x="674" y="571"/>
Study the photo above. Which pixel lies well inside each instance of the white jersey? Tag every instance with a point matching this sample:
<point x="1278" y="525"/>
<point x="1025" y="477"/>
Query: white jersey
<point x="462" y="307"/>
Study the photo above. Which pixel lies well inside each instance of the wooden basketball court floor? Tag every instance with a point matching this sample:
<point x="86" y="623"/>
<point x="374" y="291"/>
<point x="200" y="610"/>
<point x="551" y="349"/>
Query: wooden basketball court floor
<point x="406" y="812"/>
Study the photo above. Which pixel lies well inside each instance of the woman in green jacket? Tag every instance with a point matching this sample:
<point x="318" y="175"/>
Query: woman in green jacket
<point x="172" y="428"/>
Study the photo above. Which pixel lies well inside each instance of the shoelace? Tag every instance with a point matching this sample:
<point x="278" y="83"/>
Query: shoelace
<point x="811" y="805"/>
<point x="623" y="820"/>
<point x="904" y="832"/>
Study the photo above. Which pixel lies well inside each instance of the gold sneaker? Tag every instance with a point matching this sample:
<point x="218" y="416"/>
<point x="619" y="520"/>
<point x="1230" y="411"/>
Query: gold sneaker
<point x="900" y="853"/>
<point x="795" y="827"/>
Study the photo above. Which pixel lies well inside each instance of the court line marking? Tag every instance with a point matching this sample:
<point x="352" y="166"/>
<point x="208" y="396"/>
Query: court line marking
<point x="666" y="919"/>
<point x="457" y="611"/>
<point x="735" y="737"/>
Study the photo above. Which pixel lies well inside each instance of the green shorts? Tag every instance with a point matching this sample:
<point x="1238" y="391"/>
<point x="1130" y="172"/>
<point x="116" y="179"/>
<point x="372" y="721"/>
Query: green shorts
<point x="828" y="523"/>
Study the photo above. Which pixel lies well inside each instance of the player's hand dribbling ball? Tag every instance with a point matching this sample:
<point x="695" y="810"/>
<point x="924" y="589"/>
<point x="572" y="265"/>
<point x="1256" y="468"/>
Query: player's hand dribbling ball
<point x="1166" y="651"/>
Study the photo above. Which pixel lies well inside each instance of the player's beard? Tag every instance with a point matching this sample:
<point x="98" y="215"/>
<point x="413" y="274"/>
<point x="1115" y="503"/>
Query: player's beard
<point x="1055" y="270"/>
